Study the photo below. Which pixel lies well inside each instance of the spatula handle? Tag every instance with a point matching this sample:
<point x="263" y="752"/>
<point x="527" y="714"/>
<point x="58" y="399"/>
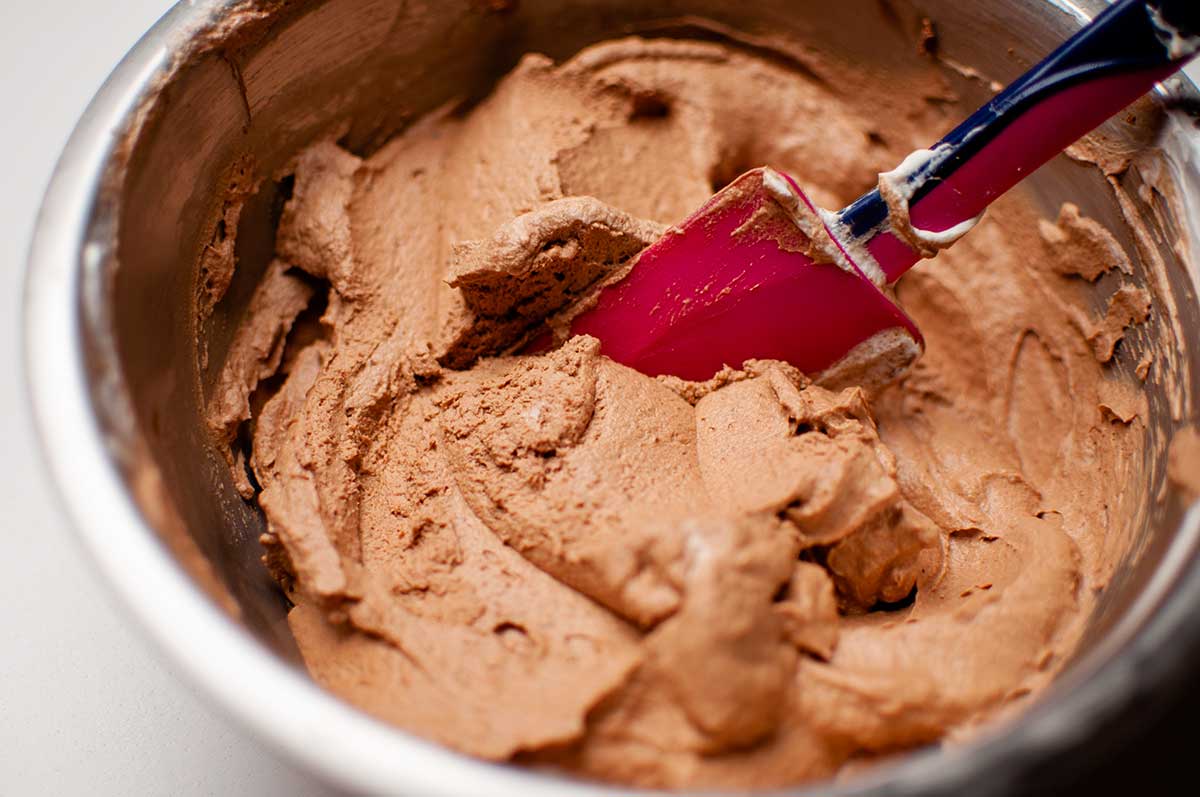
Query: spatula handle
<point x="1105" y="66"/>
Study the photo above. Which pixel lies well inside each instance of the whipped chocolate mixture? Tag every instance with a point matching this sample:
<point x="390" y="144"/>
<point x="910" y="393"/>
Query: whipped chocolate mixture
<point x="749" y="582"/>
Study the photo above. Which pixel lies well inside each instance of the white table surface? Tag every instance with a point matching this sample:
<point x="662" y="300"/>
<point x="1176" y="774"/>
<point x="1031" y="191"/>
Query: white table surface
<point x="87" y="706"/>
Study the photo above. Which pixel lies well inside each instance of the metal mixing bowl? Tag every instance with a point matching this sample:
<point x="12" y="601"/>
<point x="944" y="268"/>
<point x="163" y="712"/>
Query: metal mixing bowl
<point x="114" y="372"/>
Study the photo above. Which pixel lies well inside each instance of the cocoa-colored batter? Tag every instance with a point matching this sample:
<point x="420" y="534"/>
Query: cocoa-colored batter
<point x="557" y="559"/>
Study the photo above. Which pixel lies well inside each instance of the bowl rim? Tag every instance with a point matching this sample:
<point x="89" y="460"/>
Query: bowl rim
<point x="279" y="704"/>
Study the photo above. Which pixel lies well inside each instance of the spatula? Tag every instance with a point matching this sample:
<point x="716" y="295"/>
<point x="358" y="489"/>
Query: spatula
<point x="758" y="272"/>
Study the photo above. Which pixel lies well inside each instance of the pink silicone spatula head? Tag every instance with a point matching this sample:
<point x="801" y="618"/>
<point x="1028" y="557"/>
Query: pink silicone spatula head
<point x="738" y="279"/>
<point x="759" y="273"/>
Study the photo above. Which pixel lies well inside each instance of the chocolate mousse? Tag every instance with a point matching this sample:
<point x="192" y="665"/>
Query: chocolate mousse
<point x="747" y="582"/>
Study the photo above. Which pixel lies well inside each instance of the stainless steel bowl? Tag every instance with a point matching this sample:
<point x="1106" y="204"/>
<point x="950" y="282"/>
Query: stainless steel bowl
<point x="114" y="371"/>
